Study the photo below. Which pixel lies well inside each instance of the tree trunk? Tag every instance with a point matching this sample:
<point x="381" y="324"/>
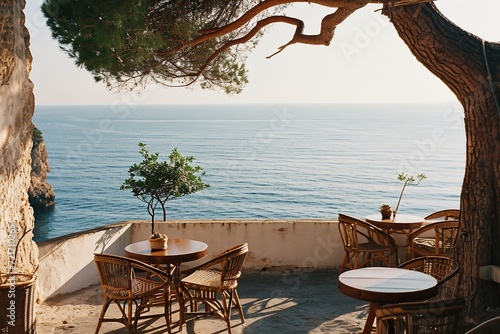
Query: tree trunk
<point x="458" y="59"/>
<point x="16" y="127"/>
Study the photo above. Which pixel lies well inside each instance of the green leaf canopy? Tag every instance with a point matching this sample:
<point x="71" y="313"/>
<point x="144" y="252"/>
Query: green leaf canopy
<point x="130" y="43"/>
<point x="156" y="182"/>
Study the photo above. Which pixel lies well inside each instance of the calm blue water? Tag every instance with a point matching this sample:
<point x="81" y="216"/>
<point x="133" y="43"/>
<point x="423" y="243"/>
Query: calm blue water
<point x="262" y="161"/>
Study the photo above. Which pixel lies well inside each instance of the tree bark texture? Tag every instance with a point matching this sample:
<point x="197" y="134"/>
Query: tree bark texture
<point x="18" y="254"/>
<point x="470" y="67"/>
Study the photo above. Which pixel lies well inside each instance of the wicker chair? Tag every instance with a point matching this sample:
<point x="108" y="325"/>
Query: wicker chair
<point x="446" y="214"/>
<point x="365" y="243"/>
<point x="214" y="284"/>
<point x="487" y="327"/>
<point x="128" y="281"/>
<point x="436" y="238"/>
<point x="443" y="269"/>
<point x="438" y="317"/>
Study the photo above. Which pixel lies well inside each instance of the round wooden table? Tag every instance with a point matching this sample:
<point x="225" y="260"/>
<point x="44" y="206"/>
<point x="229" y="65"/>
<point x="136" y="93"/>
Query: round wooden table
<point x="402" y="223"/>
<point x="177" y="252"/>
<point x="381" y="285"/>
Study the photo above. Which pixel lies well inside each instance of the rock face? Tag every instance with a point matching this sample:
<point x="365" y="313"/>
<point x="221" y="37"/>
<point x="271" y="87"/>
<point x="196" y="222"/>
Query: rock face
<point x="41" y="194"/>
<point x="17" y="106"/>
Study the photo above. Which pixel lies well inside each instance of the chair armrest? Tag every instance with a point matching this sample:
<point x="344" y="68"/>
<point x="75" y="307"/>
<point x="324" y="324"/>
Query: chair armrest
<point x="164" y="276"/>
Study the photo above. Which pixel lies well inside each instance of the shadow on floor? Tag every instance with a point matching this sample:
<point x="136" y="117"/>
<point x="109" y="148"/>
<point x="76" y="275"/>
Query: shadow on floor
<point x="291" y="301"/>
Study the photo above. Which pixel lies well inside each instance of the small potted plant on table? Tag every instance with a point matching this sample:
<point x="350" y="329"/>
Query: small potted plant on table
<point x="386" y="211"/>
<point x="158" y="241"/>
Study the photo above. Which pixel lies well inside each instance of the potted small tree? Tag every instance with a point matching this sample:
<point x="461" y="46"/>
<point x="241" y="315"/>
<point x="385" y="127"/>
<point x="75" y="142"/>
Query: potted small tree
<point x="408" y="180"/>
<point x="157" y="182"/>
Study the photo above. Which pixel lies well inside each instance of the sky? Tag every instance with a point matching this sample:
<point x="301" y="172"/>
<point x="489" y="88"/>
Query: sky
<point x="366" y="62"/>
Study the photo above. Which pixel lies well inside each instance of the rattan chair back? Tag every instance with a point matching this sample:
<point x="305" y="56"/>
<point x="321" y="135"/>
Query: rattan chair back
<point x="232" y="263"/>
<point x="446" y="214"/>
<point x="444" y="269"/>
<point x="116" y="275"/>
<point x="438" y="317"/>
<point x="214" y="284"/>
<point x="122" y="285"/>
<point x="364" y="244"/>
<point x="436" y="238"/>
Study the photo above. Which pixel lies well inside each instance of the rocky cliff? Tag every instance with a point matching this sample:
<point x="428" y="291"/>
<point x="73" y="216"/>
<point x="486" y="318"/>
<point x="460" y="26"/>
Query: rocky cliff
<point x="17" y="105"/>
<point x="40" y="193"/>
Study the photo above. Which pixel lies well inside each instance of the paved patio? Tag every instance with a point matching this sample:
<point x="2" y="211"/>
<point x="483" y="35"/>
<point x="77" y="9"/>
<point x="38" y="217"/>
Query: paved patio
<point x="274" y="301"/>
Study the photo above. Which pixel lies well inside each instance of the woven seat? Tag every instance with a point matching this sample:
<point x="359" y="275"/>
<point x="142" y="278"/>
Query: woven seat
<point x="443" y="269"/>
<point x="364" y="243"/>
<point x="437" y="317"/>
<point x="214" y="284"/>
<point x="436" y="238"/>
<point x="121" y="283"/>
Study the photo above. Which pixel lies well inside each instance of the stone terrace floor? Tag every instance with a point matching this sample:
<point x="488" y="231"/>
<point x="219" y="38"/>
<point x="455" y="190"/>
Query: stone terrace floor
<point x="274" y="302"/>
<point x="292" y="301"/>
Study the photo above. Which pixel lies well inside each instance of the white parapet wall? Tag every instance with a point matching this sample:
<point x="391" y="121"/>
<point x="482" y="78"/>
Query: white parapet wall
<point x="66" y="263"/>
<point x="272" y="243"/>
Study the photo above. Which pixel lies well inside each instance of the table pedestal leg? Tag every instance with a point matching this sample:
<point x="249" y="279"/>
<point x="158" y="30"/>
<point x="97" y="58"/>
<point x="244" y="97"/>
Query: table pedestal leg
<point x="174" y="274"/>
<point x="179" y="294"/>
<point x="168" y="308"/>
<point x="371" y="318"/>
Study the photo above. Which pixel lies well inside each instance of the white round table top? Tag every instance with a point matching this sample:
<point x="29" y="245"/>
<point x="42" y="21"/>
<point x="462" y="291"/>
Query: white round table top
<point x="382" y="284"/>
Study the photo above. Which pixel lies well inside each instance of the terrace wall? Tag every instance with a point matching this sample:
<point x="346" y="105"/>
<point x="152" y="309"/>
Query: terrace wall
<point x="66" y="263"/>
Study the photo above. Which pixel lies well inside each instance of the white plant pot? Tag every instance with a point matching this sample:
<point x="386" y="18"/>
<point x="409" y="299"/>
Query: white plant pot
<point x="158" y="243"/>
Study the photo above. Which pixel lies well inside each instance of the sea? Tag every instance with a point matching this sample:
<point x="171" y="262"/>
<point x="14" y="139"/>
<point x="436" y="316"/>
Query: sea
<point x="262" y="161"/>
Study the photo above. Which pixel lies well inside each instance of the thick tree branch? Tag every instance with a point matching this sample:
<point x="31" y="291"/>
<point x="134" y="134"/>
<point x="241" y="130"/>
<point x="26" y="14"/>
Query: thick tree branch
<point x="262" y="7"/>
<point x="328" y="25"/>
<point x="259" y="26"/>
<point x="243" y="32"/>
<point x="344" y="9"/>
